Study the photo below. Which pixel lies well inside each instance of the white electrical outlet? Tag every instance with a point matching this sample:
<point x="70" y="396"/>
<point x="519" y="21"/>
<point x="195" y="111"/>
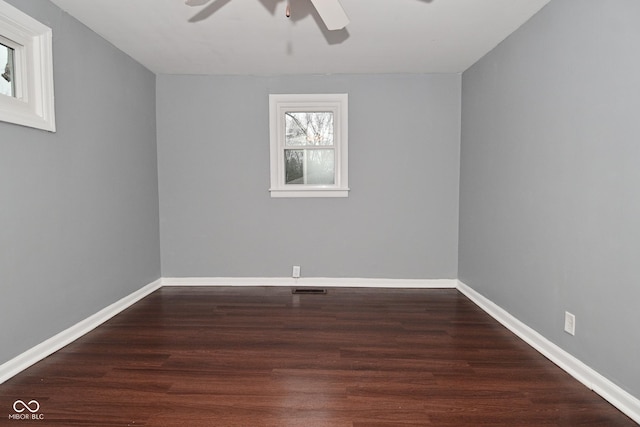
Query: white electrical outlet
<point x="296" y="272"/>
<point x="569" y="323"/>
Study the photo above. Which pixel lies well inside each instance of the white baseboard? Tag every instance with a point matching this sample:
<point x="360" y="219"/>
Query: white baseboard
<point x="55" y="343"/>
<point x="624" y="401"/>
<point x="311" y="281"/>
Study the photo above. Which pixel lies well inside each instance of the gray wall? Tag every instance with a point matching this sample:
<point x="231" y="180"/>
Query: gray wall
<point x="550" y="180"/>
<point x="78" y="208"/>
<point x="399" y="221"/>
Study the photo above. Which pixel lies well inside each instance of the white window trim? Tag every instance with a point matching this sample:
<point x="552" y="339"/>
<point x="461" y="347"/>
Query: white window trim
<point x="336" y="103"/>
<point x="33" y="105"/>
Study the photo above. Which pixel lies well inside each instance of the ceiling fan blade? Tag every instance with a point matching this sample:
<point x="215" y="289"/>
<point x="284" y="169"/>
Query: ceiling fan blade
<point x="332" y="13"/>
<point x="195" y="2"/>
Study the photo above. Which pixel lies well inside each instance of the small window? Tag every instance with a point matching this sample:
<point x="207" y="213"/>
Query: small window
<point x="26" y="70"/>
<point x="309" y="145"/>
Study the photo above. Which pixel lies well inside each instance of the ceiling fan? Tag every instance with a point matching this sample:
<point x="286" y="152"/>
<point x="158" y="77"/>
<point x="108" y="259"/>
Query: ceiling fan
<point x="330" y="11"/>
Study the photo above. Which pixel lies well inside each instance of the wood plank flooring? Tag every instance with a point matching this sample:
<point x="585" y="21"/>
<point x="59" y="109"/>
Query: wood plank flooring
<point x="264" y="357"/>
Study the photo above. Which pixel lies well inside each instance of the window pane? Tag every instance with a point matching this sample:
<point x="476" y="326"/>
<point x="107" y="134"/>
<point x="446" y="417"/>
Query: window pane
<point x="308" y="128"/>
<point x="6" y="71"/>
<point x="310" y="167"/>
<point x="320" y="167"/>
<point x="294" y="163"/>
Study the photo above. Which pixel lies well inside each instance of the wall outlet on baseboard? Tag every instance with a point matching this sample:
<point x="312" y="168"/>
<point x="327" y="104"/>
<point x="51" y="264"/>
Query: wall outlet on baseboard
<point x="296" y="272"/>
<point x="569" y="323"/>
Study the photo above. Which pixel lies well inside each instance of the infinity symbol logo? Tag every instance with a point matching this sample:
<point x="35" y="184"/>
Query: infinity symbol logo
<point x="19" y="403"/>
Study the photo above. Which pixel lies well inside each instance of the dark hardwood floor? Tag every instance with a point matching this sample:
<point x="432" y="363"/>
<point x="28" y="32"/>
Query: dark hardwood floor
<point x="264" y="357"/>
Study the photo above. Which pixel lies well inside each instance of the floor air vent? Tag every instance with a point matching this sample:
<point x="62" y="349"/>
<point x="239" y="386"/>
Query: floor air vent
<point x="309" y="291"/>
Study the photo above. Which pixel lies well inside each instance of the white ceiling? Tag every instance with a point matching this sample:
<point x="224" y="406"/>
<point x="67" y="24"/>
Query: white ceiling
<point x="255" y="36"/>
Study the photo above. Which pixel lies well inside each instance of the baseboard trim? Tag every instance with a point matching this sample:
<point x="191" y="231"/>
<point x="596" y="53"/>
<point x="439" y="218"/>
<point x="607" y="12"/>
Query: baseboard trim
<point x="312" y="281"/>
<point x="621" y="399"/>
<point x="58" y="341"/>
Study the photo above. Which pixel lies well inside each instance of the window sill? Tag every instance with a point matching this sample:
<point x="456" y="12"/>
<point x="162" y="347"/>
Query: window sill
<point x="310" y="192"/>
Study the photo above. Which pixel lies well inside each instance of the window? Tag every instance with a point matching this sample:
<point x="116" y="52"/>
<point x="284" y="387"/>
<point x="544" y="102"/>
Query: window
<point x="309" y="145"/>
<point x="26" y="70"/>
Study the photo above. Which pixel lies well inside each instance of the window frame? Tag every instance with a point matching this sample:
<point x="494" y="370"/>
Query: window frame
<point x="33" y="102"/>
<point x="279" y="105"/>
